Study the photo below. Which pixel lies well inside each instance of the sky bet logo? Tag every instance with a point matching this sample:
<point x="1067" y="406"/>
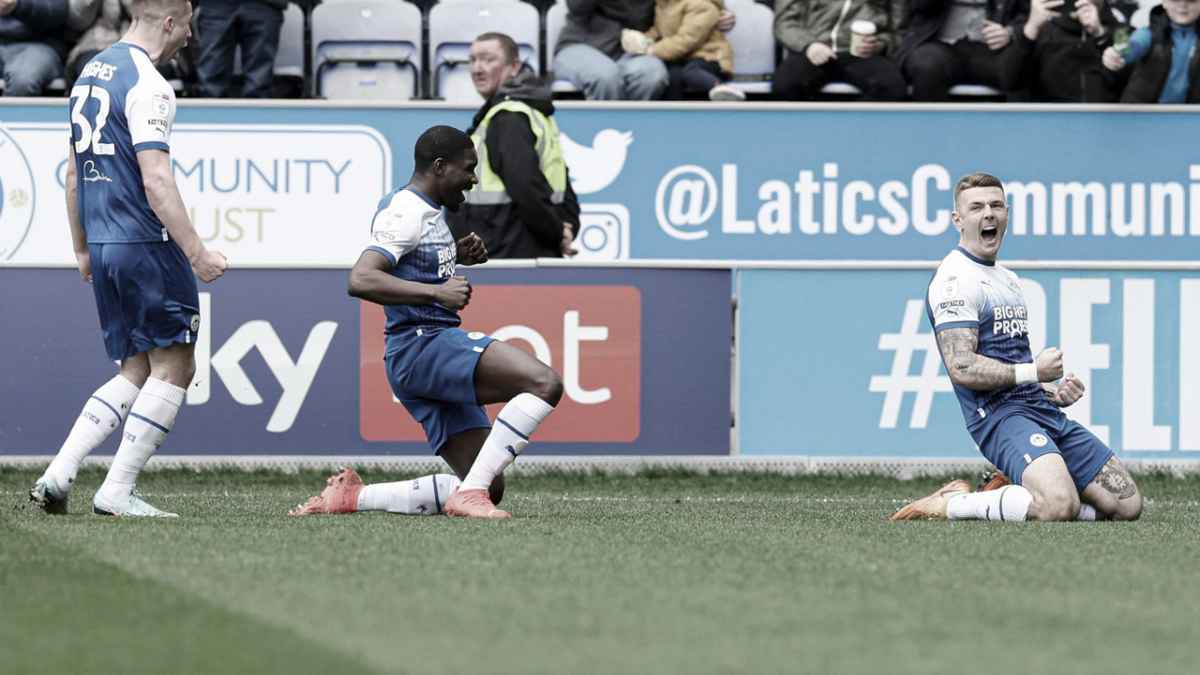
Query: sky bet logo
<point x="224" y="362"/>
<point x="590" y="334"/>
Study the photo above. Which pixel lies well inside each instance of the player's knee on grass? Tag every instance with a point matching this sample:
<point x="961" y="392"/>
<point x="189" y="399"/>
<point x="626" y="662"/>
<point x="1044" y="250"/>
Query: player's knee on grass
<point x="1054" y="504"/>
<point x="1129" y="508"/>
<point x="1113" y="493"/>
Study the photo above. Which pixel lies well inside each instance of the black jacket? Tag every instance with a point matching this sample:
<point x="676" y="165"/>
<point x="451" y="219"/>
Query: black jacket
<point x="925" y="19"/>
<point x="598" y="23"/>
<point x="1063" y="65"/>
<point x="1150" y="74"/>
<point x="277" y="4"/>
<point x="531" y="226"/>
<point x="36" y="21"/>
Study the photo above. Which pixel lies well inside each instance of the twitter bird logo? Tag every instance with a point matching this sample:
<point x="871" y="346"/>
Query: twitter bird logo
<point x="595" y="168"/>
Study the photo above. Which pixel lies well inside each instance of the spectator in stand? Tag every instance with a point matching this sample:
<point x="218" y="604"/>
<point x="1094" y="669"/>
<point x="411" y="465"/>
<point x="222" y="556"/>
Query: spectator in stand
<point x="224" y="25"/>
<point x="522" y="205"/>
<point x="949" y="42"/>
<point x="685" y="36"/>
<point x="820" y="47"/>
<point x="589" y="52"/>
<point x="1163" y="56"/>
<point x="108" y="24"/>
<point x="1056" y="54"/>
<point x="31" y="44"/>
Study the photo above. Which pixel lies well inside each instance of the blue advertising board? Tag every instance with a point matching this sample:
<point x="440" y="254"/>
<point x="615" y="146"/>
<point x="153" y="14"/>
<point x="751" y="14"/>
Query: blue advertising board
<point x="844" y="363"/>
<point x="764" y="182"/>
<point x="287" y="364"/>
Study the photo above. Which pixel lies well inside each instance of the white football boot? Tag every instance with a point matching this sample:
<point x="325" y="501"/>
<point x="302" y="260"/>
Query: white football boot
<point x="132" y="506"/>
<point x="49" y="495"/>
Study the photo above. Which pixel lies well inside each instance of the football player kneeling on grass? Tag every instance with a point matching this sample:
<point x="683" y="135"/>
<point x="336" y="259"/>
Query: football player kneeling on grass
<point x="1011" y="401"/>
<point x="442" y="374"/>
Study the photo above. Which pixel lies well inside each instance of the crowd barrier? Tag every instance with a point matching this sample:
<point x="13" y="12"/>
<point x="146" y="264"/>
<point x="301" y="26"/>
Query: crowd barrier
<point x="287" y="364"/>
<point x="833" y="361"/>
<point x="288" y="183"/>
<point x="844" y="362"/>
<point x="698" y="235"/>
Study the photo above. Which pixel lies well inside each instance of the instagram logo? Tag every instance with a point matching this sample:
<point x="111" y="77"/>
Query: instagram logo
<point x="603" y="232"/>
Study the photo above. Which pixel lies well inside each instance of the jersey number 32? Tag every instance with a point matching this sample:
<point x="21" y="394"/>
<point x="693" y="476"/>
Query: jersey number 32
<point x="89" y="136"/>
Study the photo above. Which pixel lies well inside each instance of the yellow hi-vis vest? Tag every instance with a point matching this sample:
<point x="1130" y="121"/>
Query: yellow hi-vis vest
<point x="490" y="188"/>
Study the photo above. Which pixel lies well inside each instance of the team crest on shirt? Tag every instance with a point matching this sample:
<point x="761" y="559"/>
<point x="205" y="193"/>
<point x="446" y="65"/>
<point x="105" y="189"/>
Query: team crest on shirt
<point x="1038" y="440"/>
<point x="195" y="323"/>
<point x="16" y="196"/>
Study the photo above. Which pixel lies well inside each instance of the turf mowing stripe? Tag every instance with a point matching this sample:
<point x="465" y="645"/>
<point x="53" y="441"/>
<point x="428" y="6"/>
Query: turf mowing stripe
<point x="614" y="574"/>
<point x="67" y="613"/>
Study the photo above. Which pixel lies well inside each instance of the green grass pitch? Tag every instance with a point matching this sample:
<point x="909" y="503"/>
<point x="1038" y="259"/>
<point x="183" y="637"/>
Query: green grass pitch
<point x="666" y="573"/>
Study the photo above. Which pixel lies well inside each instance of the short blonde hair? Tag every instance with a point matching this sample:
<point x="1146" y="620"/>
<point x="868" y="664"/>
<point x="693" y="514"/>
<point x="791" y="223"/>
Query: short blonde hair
<point x="974" y="180"/>
<point x="159" y="9"/>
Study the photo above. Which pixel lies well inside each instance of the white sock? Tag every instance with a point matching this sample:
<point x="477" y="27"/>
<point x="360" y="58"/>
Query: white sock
<point x="1087" y="512"/>
<point x="1010" y="503"/>
<point x="102" y="414"/>
<point x="517" y="421"/>
<point x="422" y="496"/>
<point x="152" y="416"/>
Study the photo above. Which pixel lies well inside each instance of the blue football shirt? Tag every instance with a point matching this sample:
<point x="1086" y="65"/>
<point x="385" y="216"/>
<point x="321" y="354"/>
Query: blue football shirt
<point x="411" y="232"/>
<point x="119" y="106"/>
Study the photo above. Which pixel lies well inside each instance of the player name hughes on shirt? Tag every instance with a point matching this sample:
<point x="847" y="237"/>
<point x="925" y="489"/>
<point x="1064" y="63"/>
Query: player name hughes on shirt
<point x="120" y="105"/>
<point x="411" y="232"/>
<point x="967" y="292"/>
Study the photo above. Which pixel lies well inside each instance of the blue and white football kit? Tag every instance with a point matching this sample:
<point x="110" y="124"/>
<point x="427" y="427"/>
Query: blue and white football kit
<point x="430" y="361"/>
<point x="1013" y="426"/>
<point x="145" y="290"/>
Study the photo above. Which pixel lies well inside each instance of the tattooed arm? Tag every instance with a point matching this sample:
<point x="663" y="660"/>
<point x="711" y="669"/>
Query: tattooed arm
<point x="970" y="369"/>
<point x="977" y="372"/>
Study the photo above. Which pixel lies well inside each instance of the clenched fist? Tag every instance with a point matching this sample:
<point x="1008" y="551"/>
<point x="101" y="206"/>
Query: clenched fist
<point x="1069" y="391"/>
<point x="454" y="294"/>
<point x="470" y="250"/>
<point x="210" y="265"/>
<point x="1049" y="364"/>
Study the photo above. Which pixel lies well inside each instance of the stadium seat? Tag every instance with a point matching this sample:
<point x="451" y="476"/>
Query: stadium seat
<point x="958" y="91"/>
<point x="556" y="19"/>
<point x="975" y="91"/>
<point x="454" y="24"/>
<point x="753" y="41"/>
<point x="289" y="60"/>
<point x="841" y="89"/>
<point x="366" y="49"/>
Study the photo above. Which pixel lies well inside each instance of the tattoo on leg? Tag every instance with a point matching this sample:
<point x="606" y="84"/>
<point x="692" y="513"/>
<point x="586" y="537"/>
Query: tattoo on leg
<point x="1116" y="479"/>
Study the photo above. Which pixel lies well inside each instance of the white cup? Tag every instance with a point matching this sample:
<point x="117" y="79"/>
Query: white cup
<point x="858" y="30"/>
